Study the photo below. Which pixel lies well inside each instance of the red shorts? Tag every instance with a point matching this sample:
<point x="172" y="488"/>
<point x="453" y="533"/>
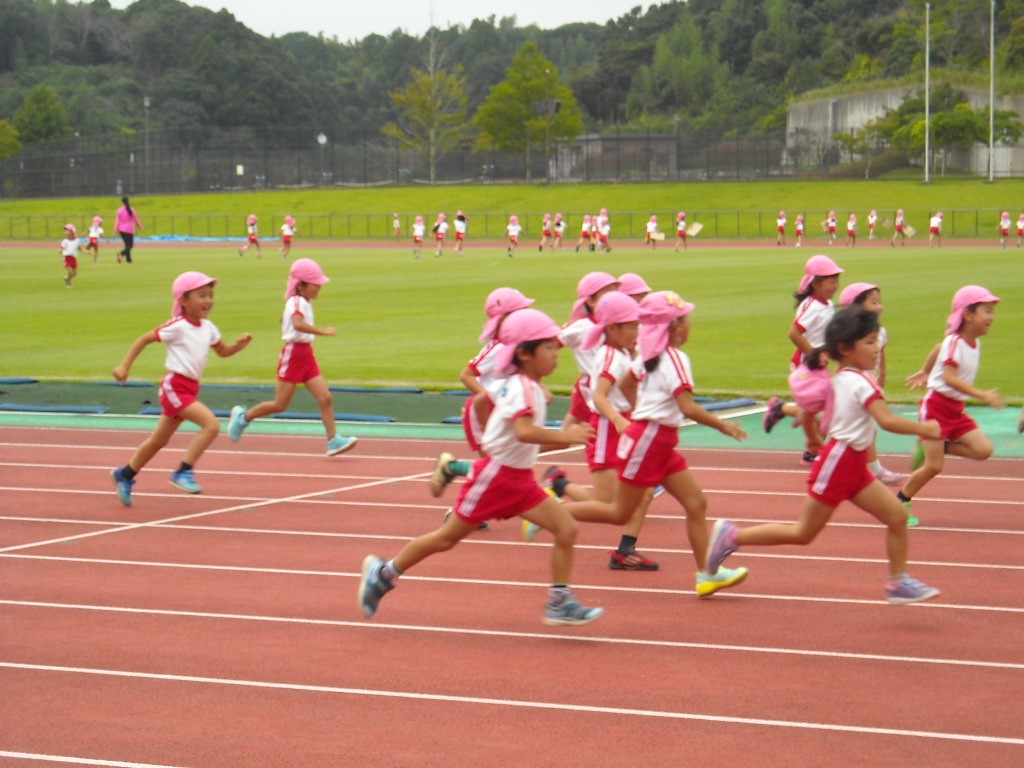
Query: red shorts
<point x="460" y="236"/>
<point x="782" y="230"/>
<point x="253" y="239"/>
<point x="648" y="452"/>
<point x="934" y="230"/>
<point x="1004" y="232"/>
<point x="471" y="424"/>
<point x="286" y="239"/>
<point x="71" y="262"/>
<point x="851" y="233"/>
<point x="799" y="231"/>
<point x="602" y="453"/>
<point x="899" y="229"/>
<point x="1020" y="231"/>
<point x="840" y="473"/>
<point x="439" y="237"/>
<point x="603" y="239"/>
<point x="177" y="393"/>
<point x="513" y="239"/>
<point x="94" y="242"/>
<point x="297" y="363"/>
<point x="497" y="492"/>
<point x="578" y="404"/>
<point x="831" y="230"/>
<point x="417" y="239"/>
<point x="546" y="233"/>
<point x="949" y="412"/>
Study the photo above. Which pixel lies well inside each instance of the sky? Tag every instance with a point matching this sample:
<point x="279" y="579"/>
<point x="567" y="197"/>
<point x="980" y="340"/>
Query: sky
<point x="355" y="20"/>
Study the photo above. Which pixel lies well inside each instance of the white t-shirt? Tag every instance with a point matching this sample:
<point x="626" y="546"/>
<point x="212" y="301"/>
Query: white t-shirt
<point x="935" y="222"/>
<point x="253" y="229"/>
<point x="485" y="365"/>
<point x="96" y="232"/>
<point x="853" y="391"/>
<point x="514" y="230"/>
<point x="812" y="317"/>
<point x="418" y="230"/>
<point x="69" y="246"/>
<point x="517" y="396"/>
<point x="559" y="227"/>
<point x="652" y="227"/>
<point x="460" y="226"/>
<point x="615" y="365"/>
<point x="442" y="228"/>
<point x="780" y="223"/>
<point x="287" y="230"/>
<point x="188" y="345"/>
<point x="1020" y="222"/>
<point x="296" y="305"/>
<point x="962" y="355"/>
<point x="656" y="395"/>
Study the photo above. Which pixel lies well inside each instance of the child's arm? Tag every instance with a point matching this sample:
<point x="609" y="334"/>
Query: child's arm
<point x="574" y="434"/>
<point x="890" y="422"/>
<point x="303" y="327"/>
<point x="881" y="368"/>
<point x="692" y="410"/>
<point x="605" y="407"/>
<point x="227" y="350"/>
<point x="121" y="371"/>
<point x="799" y="340"/>
<point x="919" y="379"/>
<point x="470" y="381"/>
<point x="989" y="397"/>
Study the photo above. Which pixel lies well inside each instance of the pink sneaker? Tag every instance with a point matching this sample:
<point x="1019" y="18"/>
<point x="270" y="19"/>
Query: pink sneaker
<point x="889" y="477"/>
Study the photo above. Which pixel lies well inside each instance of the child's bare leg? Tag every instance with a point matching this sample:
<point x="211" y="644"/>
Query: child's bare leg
<point x="934" y="457"/>
<point x="597" y="512"/>
<point x="555" y="518"/>
<point x="282" y="398"/>
<point x="683" y="487"/>
<point x="165" y="428"/>
<point x="974" y="445"/>
<point x="454" y="530"/>
<point x="209" y="428"/>
<point x="322" y="394"/>
<point x="813" y="518"/>
<point x="636" y="520"/>
<point x="810" y="424"/>
<point x="877" y="500"/>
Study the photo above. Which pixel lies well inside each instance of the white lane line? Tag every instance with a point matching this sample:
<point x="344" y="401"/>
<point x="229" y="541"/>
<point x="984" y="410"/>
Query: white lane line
<point x="520" y="704"/>
<point x="79" y="760"/>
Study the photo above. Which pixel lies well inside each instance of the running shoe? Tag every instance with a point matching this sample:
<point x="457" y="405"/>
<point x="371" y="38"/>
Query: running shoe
<point x="723" y="543"/>
<point x="658" y="490"/>
<point x="567" y="612"/>
<point x="339" y="444"/>
<point x="372" y="586"/>
<point x="237" y="423"/>
<point x="556" y="479"/>
<point x="917" y="459"/>
<point x="709" y="583"/>
<point x="633" y="561"/>
<point x="773" y="415"/>
<point x="888" y="477"/>
<point x="808" y="459"/>
<point x="908" y="590"/>
<point x="530" y="530"/>
<point x="442" y="474"/>
<point x="185" y="480"/>
<point x="123" y="485"/>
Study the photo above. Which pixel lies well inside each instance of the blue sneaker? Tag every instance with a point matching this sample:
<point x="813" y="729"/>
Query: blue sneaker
<point x="185" y="481"/>
<point x="237" y="423"/>
<point x="908" y="590"/>
<point x="709" y="583"/>
<point x="530" y="530"/>
<point x="371" y="586"/>
<point x="339" y="444"/>
<point x="123" y="485"/>
<point x="565" y="611"/>
<point x="723" y="544"/>
<point x="658" y="490"/>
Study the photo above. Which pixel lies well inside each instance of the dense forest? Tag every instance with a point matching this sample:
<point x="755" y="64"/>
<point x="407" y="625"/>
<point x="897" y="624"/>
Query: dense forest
<point x="727" y="66"/>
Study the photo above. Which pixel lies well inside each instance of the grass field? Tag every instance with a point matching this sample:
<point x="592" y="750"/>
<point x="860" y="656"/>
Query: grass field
<point x="406" y="322"/>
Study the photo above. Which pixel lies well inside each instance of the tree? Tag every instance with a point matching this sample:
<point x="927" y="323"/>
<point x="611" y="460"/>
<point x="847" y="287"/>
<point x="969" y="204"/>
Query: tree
<point x="10" y="139"/>
<point x="433" y="111"/>
<point x="530" y="108"/>
<point x="42" y="117"/>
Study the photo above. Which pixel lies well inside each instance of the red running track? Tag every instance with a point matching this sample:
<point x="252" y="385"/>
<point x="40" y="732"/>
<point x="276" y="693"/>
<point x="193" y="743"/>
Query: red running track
<point x="222" y="629"/>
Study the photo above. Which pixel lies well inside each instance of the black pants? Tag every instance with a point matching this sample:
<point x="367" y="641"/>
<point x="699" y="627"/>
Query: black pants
<point x="129" y="242"/>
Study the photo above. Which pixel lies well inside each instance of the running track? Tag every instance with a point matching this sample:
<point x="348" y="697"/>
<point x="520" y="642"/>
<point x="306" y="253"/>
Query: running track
<point x="222" y="629"/>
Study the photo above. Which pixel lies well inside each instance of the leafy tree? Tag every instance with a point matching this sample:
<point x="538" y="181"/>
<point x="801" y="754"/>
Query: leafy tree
<point x="42" y="117"/>
<point x="10" y="139"/>
<point x="433" y="112"/>
<point x="521" y="113"/>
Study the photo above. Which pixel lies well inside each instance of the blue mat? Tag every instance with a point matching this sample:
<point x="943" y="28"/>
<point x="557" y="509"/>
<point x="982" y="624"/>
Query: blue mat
<point x="18" y="380"/>
<point x="456" y="393"/>
<point x="54" y="408"/>
<point x="722" y="405"/>
<point x="372" y="417"/>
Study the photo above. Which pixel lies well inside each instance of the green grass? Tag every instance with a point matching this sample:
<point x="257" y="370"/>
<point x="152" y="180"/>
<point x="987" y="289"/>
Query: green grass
<point x="405" y="322"/>
<point x="728" y="209"/>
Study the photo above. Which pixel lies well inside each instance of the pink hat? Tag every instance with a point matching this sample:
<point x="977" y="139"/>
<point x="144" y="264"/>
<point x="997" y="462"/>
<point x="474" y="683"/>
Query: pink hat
<point x="500" y="303"/>
<point x="631" y="284"/>
<point x="962" y="299"/>
<point x="604" y="212"/>
<point x="586" y="218"/>
<point x="657" y="311"/>
<point x="458" y="213"/>
<point x="547" y="217"/>
<point x="71" y="228"/>
<point x="782" y="214"/>
<point x="853" y="217"/>
<point x="590" y="284"/>
<point x="419" y="220"/>
<point x="874" y="212"/>
<point x="799" y="217"/>
<point x="97" y="220"/>
<point x="654" y="219"/>
<point x="818" y="266"/>
<point x="853" y="290"/>
<point x="614" y="307"/>
<point x="185" y="282"/>
<point x="289" y="220"/>
<point x="304" y="271"/>
<point x="519" y="328"/>
<point x="681" y="215"/>
<point x="253" y="218"/>
<point x="939" y="214"/>
<point x="441" y="217"/>
<point x="899" y="212"/>
<point x="513" y="219"/>
<point x="558" y="217"/>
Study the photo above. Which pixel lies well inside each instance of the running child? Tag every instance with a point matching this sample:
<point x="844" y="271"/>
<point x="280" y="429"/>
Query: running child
<point x="253" y="238"/>
<point x="546" y="233"/>
<point x="69" y="250"/>
<point x="798" y="230"/>
<point x="559" y="230"/>
<point x="513" y="230"/>
<point x="681" y="230"/>
<point x="297" y="364"/>
<point x="418" y="230"/>
<point x="288" y="230"/>
<point x="780" y="229"/>
<point x="1004" y="228"/>
<point x="935" y="230"/>
<point x="604" y="231"/>
<point x="95" y="233"/>
<point x="503" y="483"/>
<point x="851" y="230"/>
<point x="189" y="336"/>
<point x="898" y="227"/>
<point x="461" y="225"/>
<point x="872" y="224"/>
<point x="652" y="230"/>
<point x="950" y="385"/>
<point x="831" y="223"/>
<point x="396" y="227"/>
<point x="440" y="229"/>
<point x="842" y="473"/>
<point x="1020" y="229"/>
<point x="584" y="232"/>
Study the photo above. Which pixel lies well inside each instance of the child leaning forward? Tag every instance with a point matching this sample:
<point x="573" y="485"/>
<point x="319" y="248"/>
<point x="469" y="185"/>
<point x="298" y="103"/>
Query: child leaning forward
<point x="503" y="484"/>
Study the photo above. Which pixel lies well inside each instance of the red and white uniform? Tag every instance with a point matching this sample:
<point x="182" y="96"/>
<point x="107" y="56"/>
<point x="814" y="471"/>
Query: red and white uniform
<point x="604" y="230"/>
<point x="95" y="233"/>
<point x="502" y="483"/>
<point x="799" y="227"/>
<point x="485" y="368"/>
<point x="872" y="222"/>
<point x="440" y="231"/>
<point x="69" y="250"/>
<point x="615" y="365"/>
<point x="812" y="317"/>
<point x="417" y="233"/>
<point x="254" y="233"/>
<point x="287" y="233"/>
<point x="513" y="233"/>
<point x="297" y="363"/>
<point x="780" y="225"/>
<point x="935" y="225"/>
<point x="572" y="337"/>
<point x="647" y="448"/>
<point x="460" y="229"/>
<point x="851" y="227"/>
<point x="943" y="403"/>
<point x="900" y="221"/>
<point x="1020" y="226"/>
<point x="831" y="224"/>
<point x="1004" y="226"/>
<point x="188" y="349"/>
<point x="841" y="471"/>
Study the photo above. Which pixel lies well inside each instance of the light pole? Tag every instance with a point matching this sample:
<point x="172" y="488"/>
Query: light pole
<point x="547" y="126"/>
<point x="991" y="90"/>
<point x="927" y="90"/>
<point x="321" y="139"/>
<point x="145" y="167"/>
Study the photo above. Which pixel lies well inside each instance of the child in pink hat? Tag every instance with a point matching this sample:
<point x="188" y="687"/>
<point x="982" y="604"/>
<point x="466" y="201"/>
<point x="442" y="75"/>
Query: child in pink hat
<point x="503" y="483"/>
<point x="872" y="223"/>
<point x="935" y="230"/>
<point x="480" y="376"/>
<point x="419" y="229"/>
<point x="189" y="336"/>
<point x="547" y="236"/>
<point x="851" y="230"/>
<point x="69" y="251"/>
<point x="652" y="235"/>
<point x="297" y="363"/>
<point x="814" y="310"/>
<point x="559" y="231"/>
<point x="951" y="369"/>
<point x="440" y="230"/>
<point x="780" y="229"/>
<point x="831" y="224"/>
<point x="798" y="230"/>
<point x="584" y="232"/>
<point x="253" y="236"/>
<point x="899" y="229"/>
<point x="680" y="230"/>
<point x="95" y="233"/>
<point x="461" y="227"/>
<point x="514" y="230"/>
<point x="288" y="231"/>
<point x="634" y="286"/>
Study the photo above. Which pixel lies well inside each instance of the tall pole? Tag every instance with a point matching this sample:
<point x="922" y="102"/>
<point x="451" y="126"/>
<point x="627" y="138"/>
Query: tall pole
<point x="927" y="90"/>
<point x="547" y="126"/>
<point x="145" y="167"/>
<point x="991" y="91"/>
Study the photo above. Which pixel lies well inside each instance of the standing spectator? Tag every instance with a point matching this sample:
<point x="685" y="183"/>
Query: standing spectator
<point x="127" y="221"/>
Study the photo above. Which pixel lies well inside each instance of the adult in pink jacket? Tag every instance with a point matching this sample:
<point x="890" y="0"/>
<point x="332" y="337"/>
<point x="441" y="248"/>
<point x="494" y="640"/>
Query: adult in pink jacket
<point x="127" y="221"/>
